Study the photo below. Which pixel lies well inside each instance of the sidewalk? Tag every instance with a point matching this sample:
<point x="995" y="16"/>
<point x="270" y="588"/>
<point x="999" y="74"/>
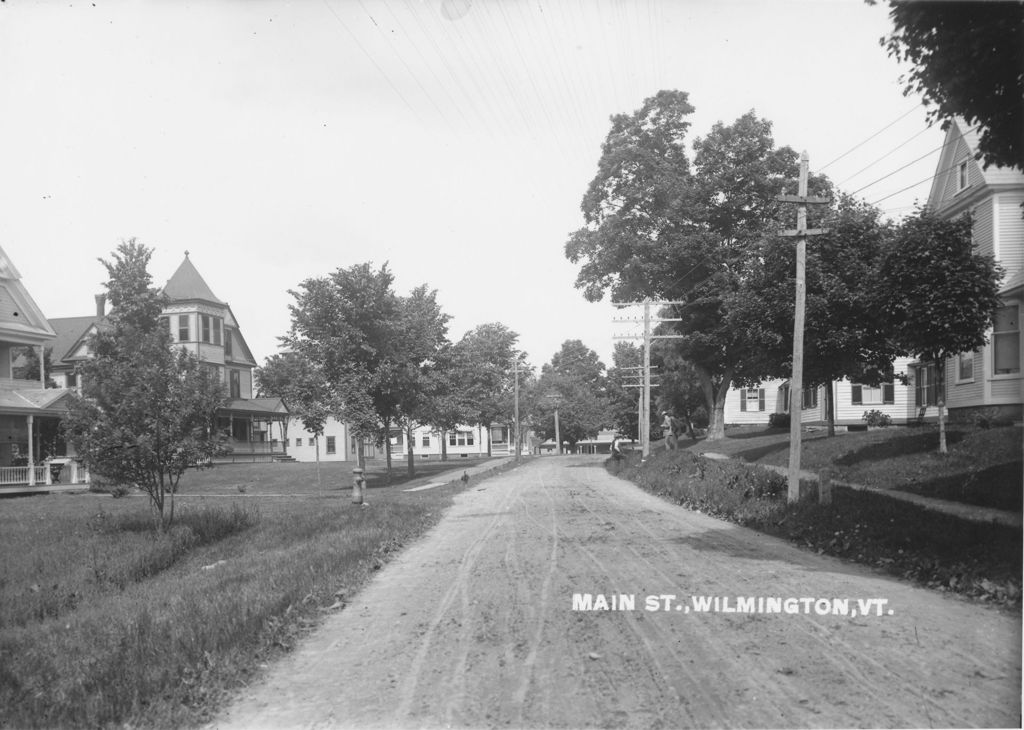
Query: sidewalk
<point x="971" y="512"/>
<point x="455" y="474"/>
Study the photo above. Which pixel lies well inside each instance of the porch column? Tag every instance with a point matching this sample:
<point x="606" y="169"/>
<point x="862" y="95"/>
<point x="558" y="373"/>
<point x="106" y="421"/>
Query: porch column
<point x="42" y="368"/>
<point x="31" y="451"/>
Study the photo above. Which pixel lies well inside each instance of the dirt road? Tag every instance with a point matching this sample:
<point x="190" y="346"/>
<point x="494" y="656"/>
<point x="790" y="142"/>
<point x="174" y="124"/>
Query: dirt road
<point x="475" y="626"/>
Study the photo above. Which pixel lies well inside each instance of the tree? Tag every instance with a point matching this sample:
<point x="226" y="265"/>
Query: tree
<point x="939" y="297"/>
<point x="623" y="395"/>
<point x="679" y="388"/>
<point x="657" y="229"/>
<point x="486" y="356"/>
<point x="967" y="59"/>
<point x="146" y="412"/>
<point x="843" y="335"/>
<point x="574" y="384"/>
<point x="301" y="385"/>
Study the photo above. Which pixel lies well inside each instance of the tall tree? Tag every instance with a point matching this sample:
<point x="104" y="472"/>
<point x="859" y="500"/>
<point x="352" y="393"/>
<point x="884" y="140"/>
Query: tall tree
<point x="574" y="383"/>
<point x="655" y="228"/>
<point x="486" y="356"/>
<point x="966" y="61"/>
<point x="623" y="394"/>
<point x="146" y="412"/>
<point x="844" y="337"/>
<point x="938" y="295"/>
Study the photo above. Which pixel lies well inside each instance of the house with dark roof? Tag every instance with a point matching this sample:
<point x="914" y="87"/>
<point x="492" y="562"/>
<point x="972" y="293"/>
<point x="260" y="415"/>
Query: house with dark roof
<point x="30" y="413"/>
<point x="203" y="324"/>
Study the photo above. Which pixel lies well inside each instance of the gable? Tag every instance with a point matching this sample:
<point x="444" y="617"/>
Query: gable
<point x="958" y="155"/>
<point x="21" y="320"/>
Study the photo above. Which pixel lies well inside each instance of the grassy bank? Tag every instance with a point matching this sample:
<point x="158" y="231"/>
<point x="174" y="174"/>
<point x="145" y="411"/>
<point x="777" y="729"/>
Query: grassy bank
<point x="979" y="561"/>
<point x="103" y="622"/>
<point x="983" y="467"/>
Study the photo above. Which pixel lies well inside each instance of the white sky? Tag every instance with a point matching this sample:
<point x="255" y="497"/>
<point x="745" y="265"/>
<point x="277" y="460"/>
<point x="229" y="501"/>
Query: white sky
<point x="278" y="141"/>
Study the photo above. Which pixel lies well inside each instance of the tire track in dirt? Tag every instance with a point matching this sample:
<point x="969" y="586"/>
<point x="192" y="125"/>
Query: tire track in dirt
<point x="473" y="627"/>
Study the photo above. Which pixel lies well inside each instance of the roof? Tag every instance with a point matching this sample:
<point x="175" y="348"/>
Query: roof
<point x="961" y="143"/>
<point x="256" y="406"/>
<point x="20" y="396"/>
<point x="186" y="283"/>
<point x="69" y="331"/>
<point x="21" y="320"/>
<point x="1013" y="285"/>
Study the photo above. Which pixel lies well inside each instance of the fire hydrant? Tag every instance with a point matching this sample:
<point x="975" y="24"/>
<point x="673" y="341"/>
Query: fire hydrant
<point x="358" y="485"/>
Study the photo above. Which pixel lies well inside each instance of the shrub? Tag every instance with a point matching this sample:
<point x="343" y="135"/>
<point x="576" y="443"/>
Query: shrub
<point x="990" y="418"/>
<point x="779" y="420"/>
<point x="876" y="418"/>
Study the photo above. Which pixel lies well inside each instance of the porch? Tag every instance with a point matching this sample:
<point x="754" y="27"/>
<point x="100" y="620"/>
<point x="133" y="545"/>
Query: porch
<point x="53" y="475"/>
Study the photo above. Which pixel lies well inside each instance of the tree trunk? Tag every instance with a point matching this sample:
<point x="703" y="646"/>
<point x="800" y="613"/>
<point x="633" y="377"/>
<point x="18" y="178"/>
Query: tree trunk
<point x="410" y="458"/>
<point x="387" y="442"/>
<point x="444" y="445"/>
<point x="488" y="426"/>
<point x="940" y="400"/>
<point x="319" y="480"/>
<point x="714" y="396"/>
<point x="830" y="407"/>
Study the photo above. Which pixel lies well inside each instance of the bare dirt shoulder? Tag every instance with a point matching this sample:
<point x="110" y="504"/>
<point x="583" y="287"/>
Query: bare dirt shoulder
<point x="474" y="626"/>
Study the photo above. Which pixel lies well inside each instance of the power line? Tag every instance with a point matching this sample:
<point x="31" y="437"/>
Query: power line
<point x="861" y="144"/>
<point x="902" y="144"/>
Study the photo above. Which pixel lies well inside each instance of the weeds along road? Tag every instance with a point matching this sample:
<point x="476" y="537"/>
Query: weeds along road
<point x="474" y="626"/>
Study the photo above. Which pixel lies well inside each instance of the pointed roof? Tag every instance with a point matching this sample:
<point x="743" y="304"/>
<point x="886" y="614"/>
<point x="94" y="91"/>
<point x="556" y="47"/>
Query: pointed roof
<point x="21" y="320"/>
<point x="70" y="331"/>
<point x="186" y="283"/>
<point x="961" y="145"/>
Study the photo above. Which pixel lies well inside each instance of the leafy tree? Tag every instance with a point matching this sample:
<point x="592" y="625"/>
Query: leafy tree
<point x="445" y="406"/>
<point x="486" y="356"/>
<point x="623" y="396"/>
<point x="574" y="384"/>
<point x="344" y="323"/>
<point x="146" y="412"/>
<point x="679" y="388"/>
<point x="939" y="296"/>
<point x="655" y="228"/>
<point x="967" y="59"/>
<point x="843" y="333"/>
<point x="301" y="385"/>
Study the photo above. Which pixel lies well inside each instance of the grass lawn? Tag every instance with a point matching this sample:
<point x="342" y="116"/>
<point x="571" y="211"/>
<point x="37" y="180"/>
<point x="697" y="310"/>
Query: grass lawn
<point x="977" y="560"/>
<point x="104" y="622"/>
<point x="983" y="467"/>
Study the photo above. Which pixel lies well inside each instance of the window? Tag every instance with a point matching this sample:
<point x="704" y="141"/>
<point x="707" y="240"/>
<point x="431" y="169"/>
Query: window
<point x="810" y="398"/>
<point x="965" y="366"/>
<point x="298" y="442"/>
<point x="227" y="342"/>
<point x="204" y="327"/>
<point x="469" y="438"/>
<point x="873" y="395"/>
<point x="330" y="444"/>
<point x="460" y="438"/>
<point x="961" y="176"/>
<point x="752" y="399"/>
<point x="312" y="441"/>
<point x="1006" y="341"/>
<point x="183" y="328"/>
<point x="426" y="441"/>
<point x="217" y="323"/>
<point x="165" y="322"/>
<point x="236" y="384"/>
<point x="926" y="390"/>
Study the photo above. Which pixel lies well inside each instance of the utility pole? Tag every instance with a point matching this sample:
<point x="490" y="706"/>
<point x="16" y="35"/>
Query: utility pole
<point x="516" y="411"/>
<point x="796" y="383"/>
<point x="645" y="398"/>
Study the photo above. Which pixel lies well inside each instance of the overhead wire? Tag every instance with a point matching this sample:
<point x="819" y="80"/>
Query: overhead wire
<point x="942" y="146"/>
<point x="366" y="53"/>
<point x="864" y="142"/>
<point x="894" y="149"/>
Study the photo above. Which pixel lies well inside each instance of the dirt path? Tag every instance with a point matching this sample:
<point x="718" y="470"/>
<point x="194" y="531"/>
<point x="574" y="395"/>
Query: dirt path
<point x="474" y="626"/>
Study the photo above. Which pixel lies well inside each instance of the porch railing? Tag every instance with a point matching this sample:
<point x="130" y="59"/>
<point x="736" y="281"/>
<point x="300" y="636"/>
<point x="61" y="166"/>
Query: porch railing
<point x="63" y="472"/>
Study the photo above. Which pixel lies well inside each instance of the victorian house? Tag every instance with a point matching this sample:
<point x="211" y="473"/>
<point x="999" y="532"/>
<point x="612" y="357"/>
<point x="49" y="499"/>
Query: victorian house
<point x="30" y="412"/>
<point x="204" y="325"/>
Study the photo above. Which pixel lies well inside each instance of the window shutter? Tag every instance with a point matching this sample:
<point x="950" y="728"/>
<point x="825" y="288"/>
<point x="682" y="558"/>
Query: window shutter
<point x="760" y="399"/>
<point x="857" y="397"/>
<point x="888" y="393"/>
<point x="743" y="399"/>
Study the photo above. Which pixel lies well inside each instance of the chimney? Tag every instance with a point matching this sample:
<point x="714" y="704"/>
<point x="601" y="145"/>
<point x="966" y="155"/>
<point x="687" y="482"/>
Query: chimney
<point x="101" y="305"/>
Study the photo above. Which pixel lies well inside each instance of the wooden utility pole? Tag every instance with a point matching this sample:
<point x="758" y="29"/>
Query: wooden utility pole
<point x="796" y="382"/>
<point x="516" y="411"/>
<point x="645" y="401"/>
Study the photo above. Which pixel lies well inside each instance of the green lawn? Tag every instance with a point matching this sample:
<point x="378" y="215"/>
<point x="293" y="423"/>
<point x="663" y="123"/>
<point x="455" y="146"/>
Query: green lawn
<point x="983" y="467"/>
<point x="104" y="622"/>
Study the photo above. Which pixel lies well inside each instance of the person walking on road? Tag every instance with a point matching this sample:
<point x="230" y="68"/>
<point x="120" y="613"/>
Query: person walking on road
<point x="670" y="429"/>
<point x="616" y="452"/>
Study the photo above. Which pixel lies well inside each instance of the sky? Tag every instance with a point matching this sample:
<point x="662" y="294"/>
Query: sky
<point x="451" y="139"/>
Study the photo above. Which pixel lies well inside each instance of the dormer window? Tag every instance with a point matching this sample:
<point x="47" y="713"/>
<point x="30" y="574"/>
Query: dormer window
<point x="961" y="176"/>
